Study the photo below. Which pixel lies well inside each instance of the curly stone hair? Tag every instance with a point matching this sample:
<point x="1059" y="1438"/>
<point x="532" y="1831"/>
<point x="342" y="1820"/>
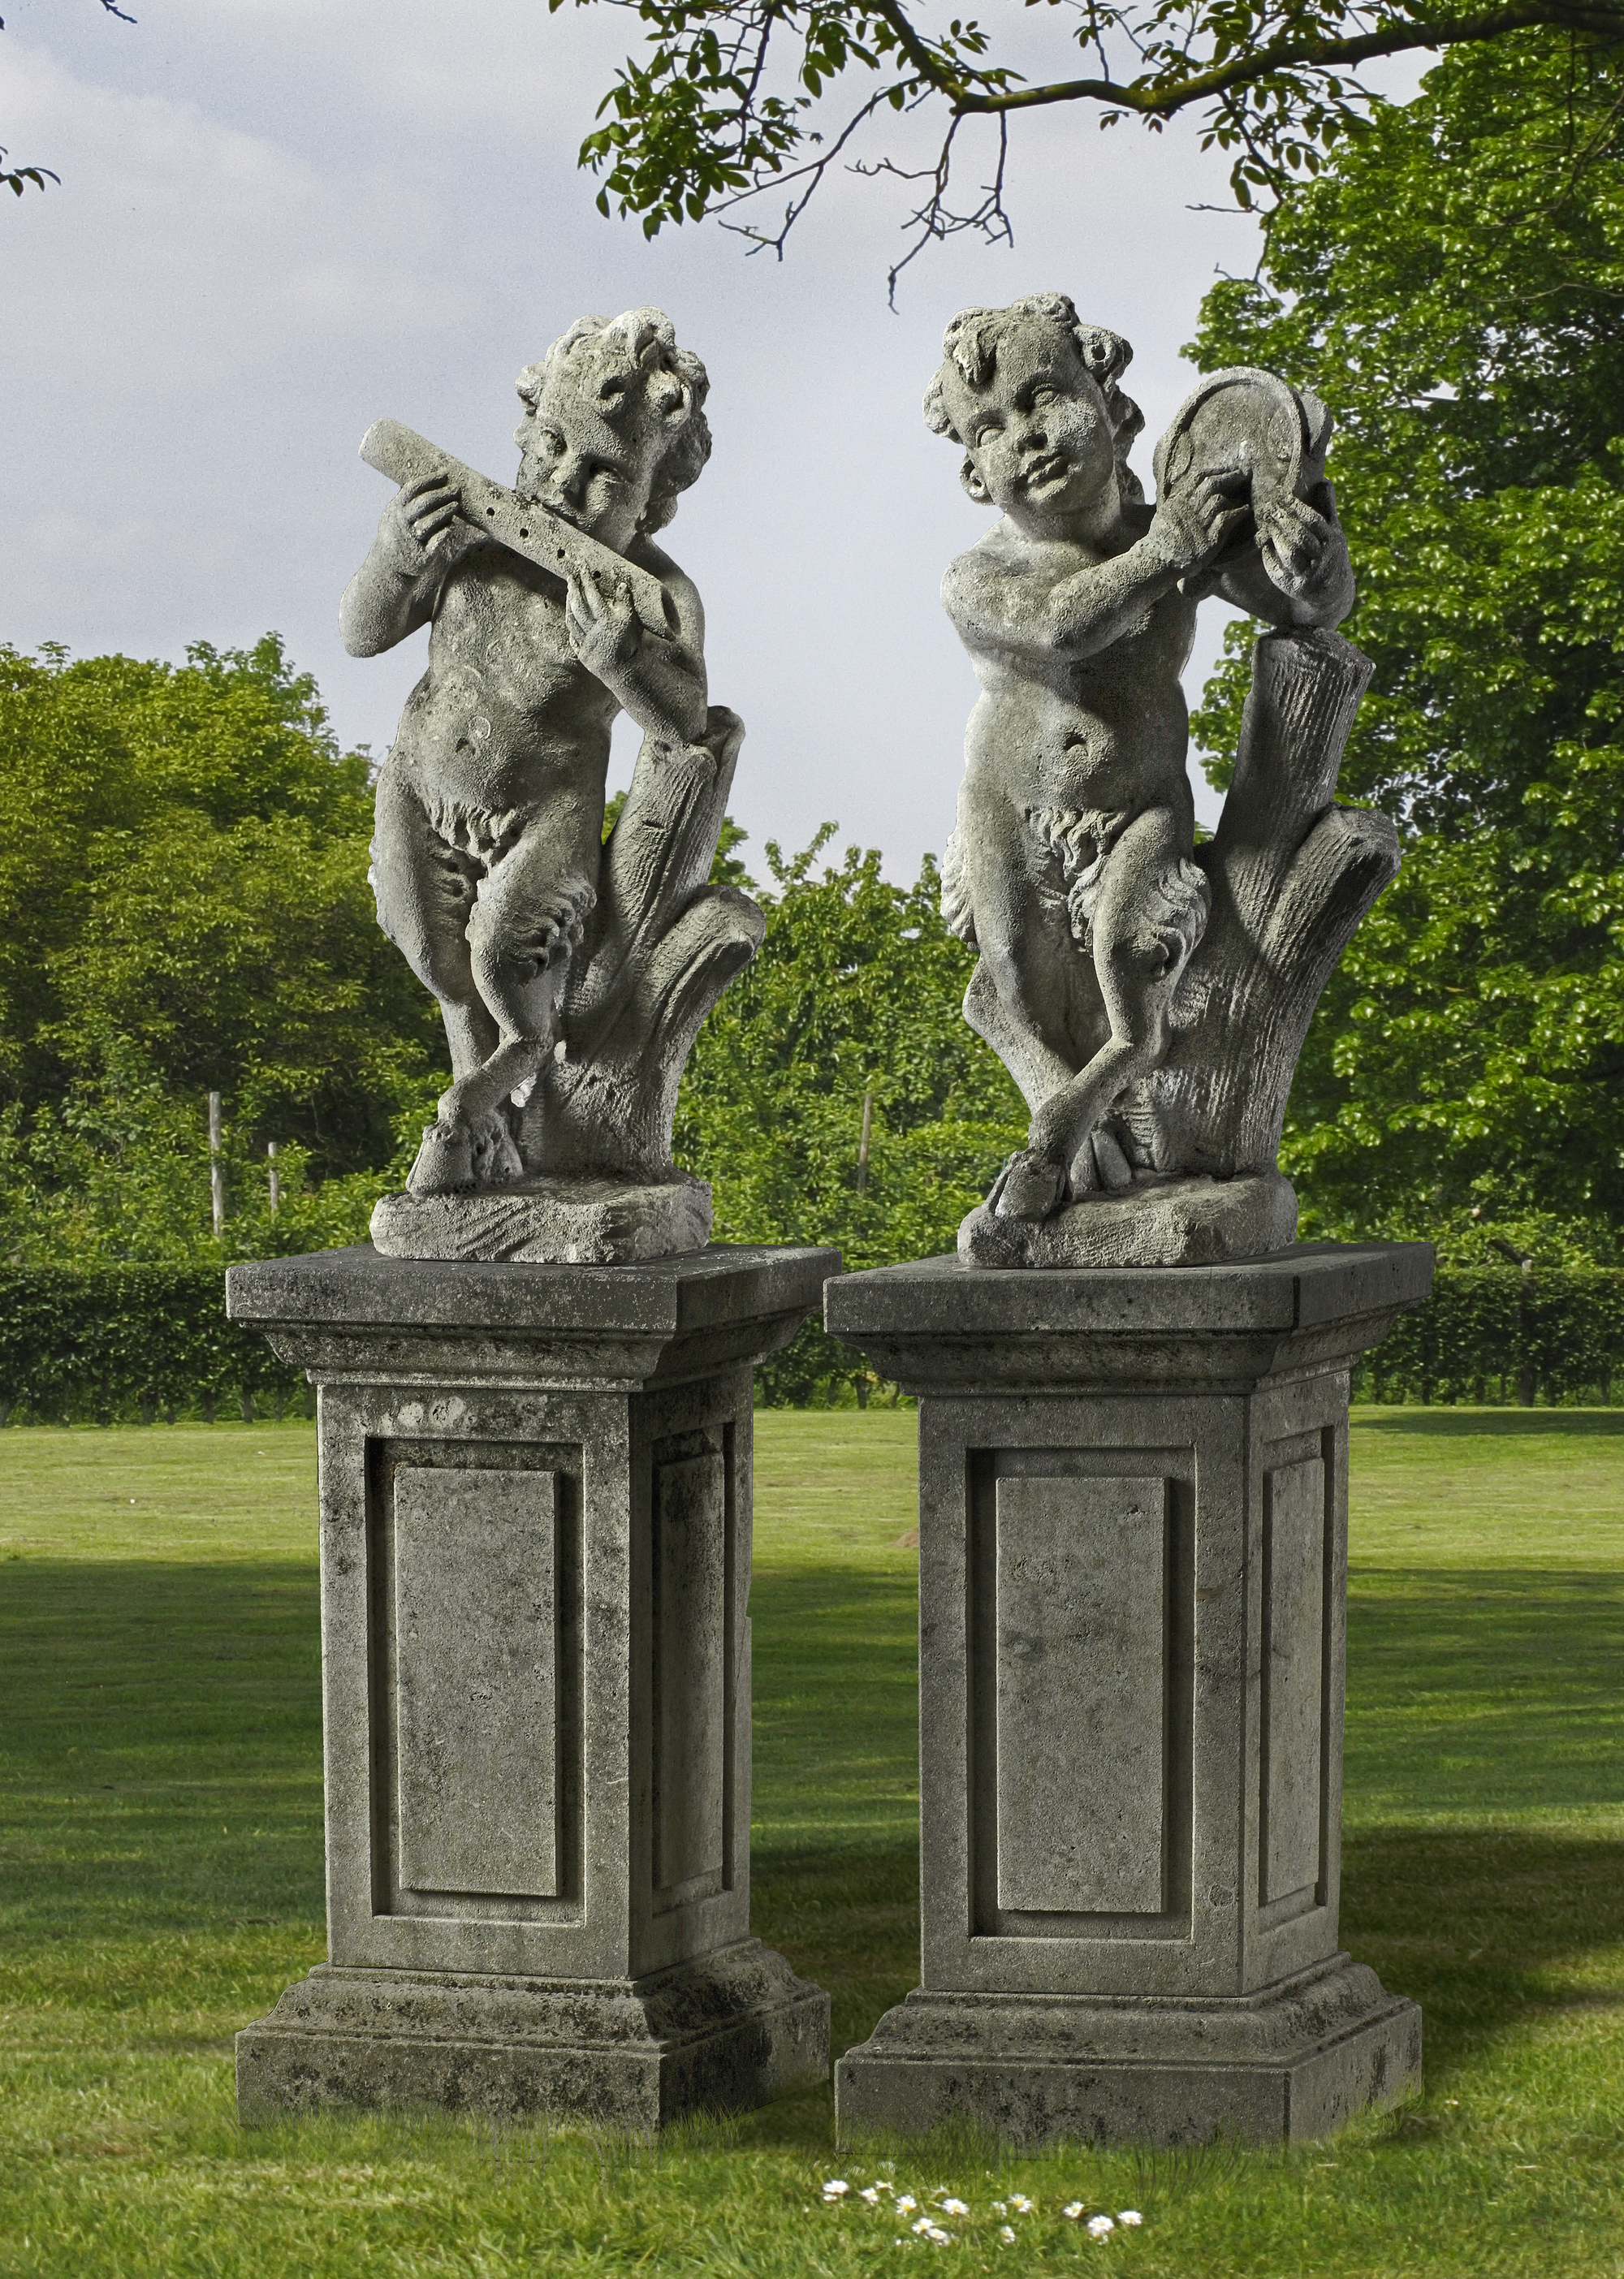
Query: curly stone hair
<point x="633" y="362"/>
<point x="970" y="346"/>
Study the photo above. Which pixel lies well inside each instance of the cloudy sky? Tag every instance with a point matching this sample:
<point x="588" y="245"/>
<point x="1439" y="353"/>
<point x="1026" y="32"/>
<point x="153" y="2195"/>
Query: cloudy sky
<point x="279" y="220"/>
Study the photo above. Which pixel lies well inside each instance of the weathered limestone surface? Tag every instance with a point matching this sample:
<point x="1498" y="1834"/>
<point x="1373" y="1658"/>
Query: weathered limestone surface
<point x="568" y="1222"/>
<point x="1194" y="1221"/>
<point x="1150" y="996"/>
<point x="1132" y="1529"/>
<point x="535" y="1558"/>
<point x="572" y="974"/>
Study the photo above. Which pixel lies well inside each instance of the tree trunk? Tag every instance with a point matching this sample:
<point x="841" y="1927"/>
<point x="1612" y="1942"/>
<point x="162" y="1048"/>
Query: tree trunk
<point x="1292" y="875"/>
<point x="660" y="947"/>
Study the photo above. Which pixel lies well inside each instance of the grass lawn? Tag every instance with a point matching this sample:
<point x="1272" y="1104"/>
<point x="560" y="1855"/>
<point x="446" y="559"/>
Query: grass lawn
<point x="160" y="1882"/>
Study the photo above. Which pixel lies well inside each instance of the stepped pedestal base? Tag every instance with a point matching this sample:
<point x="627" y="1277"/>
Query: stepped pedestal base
<point x="716" y="2036"/>
<point x="1292" y="2063"/>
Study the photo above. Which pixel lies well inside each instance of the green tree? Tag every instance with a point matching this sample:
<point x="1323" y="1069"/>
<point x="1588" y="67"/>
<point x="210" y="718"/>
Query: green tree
<point x="724" y="101"/>
<point x="1452" y="289"/>
<point x="120" y="1171"/>
<point x="856" y="992"/>
<point x="184" y="908"/>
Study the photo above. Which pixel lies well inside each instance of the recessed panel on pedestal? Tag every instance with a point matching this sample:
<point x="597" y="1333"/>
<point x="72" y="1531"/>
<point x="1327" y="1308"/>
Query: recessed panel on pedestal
<point x="473" y="1745"/>
<point x="1081" y="1683"/>
<point x="1295" y="1549"/>
<point x="476" y="1680"/>
<point x="692" y="1692"/>
<point x="1079" y="1698"/>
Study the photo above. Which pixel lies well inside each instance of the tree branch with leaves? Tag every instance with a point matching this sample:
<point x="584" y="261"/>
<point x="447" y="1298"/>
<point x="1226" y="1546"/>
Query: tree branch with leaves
<point x="16" y="179"/>
<point x="724" y="102"/>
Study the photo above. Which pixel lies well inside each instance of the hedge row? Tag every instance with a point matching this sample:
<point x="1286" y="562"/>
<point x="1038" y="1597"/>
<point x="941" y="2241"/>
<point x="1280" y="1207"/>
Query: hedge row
<point x="1492" y="1334"/>
<point x="118" y="1344"/>
<point x="113" y="1344"/>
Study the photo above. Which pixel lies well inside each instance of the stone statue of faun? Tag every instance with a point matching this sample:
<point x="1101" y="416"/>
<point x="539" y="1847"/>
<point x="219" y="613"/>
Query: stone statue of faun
<point x="572" y="974"/>
<point x="1148" y="996"/>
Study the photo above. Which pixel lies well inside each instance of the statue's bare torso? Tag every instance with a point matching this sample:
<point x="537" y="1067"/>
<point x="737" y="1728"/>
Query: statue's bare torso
<point x="506" y="715"/>
<point x="1105" y="731"/>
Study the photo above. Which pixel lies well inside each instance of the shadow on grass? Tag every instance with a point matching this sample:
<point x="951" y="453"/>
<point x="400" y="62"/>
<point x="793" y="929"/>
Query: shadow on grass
<point x="1492" y="1423"/>
<point x="1482" y="1926"/>
<point x="162" y="1731"/>
<point x="162" y="1757"/>
<point x="1477" y="1693"/>
<point x="849" y="1920"/>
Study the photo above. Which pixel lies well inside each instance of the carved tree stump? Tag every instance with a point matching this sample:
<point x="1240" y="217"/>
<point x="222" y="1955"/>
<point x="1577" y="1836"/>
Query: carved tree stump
<point x="1292" y="875"/>
<point x="660" y="947"/>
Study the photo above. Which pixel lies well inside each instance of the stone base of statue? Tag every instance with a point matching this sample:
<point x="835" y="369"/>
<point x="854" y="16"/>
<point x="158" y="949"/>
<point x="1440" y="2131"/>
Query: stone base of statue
<point x="1184" y="1221"/>
<point x="1133" y="1547"/>
<point x="535" y="1559"/>
<point x="713" y="2036"/>
<point x="1276" y="2068"/>
<point x="567" y="1221"/>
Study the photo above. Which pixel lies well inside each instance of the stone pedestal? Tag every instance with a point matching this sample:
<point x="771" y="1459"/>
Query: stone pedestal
<point x="1133" y="1531"/>
<point x="535" y="1558"/>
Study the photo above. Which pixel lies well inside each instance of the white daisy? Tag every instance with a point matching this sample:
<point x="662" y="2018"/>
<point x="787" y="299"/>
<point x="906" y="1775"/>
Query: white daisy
<point x="836" y="2189"/>
<point x="1099" y="2226"/>
<point x="1073" y="2208"/>
<point x="1006" y="2235"/>
<point x="1130" y="2216"/>
<point x="954" y="2207"/>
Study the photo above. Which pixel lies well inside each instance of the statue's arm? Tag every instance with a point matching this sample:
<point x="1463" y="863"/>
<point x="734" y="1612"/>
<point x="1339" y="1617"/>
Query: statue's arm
<point x="395" y="590"/>
<point x="995" y="605"/>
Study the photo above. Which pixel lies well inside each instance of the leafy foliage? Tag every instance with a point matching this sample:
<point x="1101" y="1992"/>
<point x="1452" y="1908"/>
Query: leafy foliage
<point x="857" y="991"/>
<point x="1488" y="1335"/>
<point x="1451" y="287"/>
<point x="723" y="102"/>
<point x="16" y="179"/>
<point x="131" y="1341"/>
<point x="184" y="908"/>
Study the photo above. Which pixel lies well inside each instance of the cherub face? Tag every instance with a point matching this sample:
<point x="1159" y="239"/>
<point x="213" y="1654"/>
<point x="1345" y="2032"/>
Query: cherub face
<point x="1038" y="437"/>
<point x="587" y="469"/>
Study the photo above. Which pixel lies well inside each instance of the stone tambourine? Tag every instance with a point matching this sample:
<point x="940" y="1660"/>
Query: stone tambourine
<point x="1242" y="421"/>
<point x="1245" y="421"/>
